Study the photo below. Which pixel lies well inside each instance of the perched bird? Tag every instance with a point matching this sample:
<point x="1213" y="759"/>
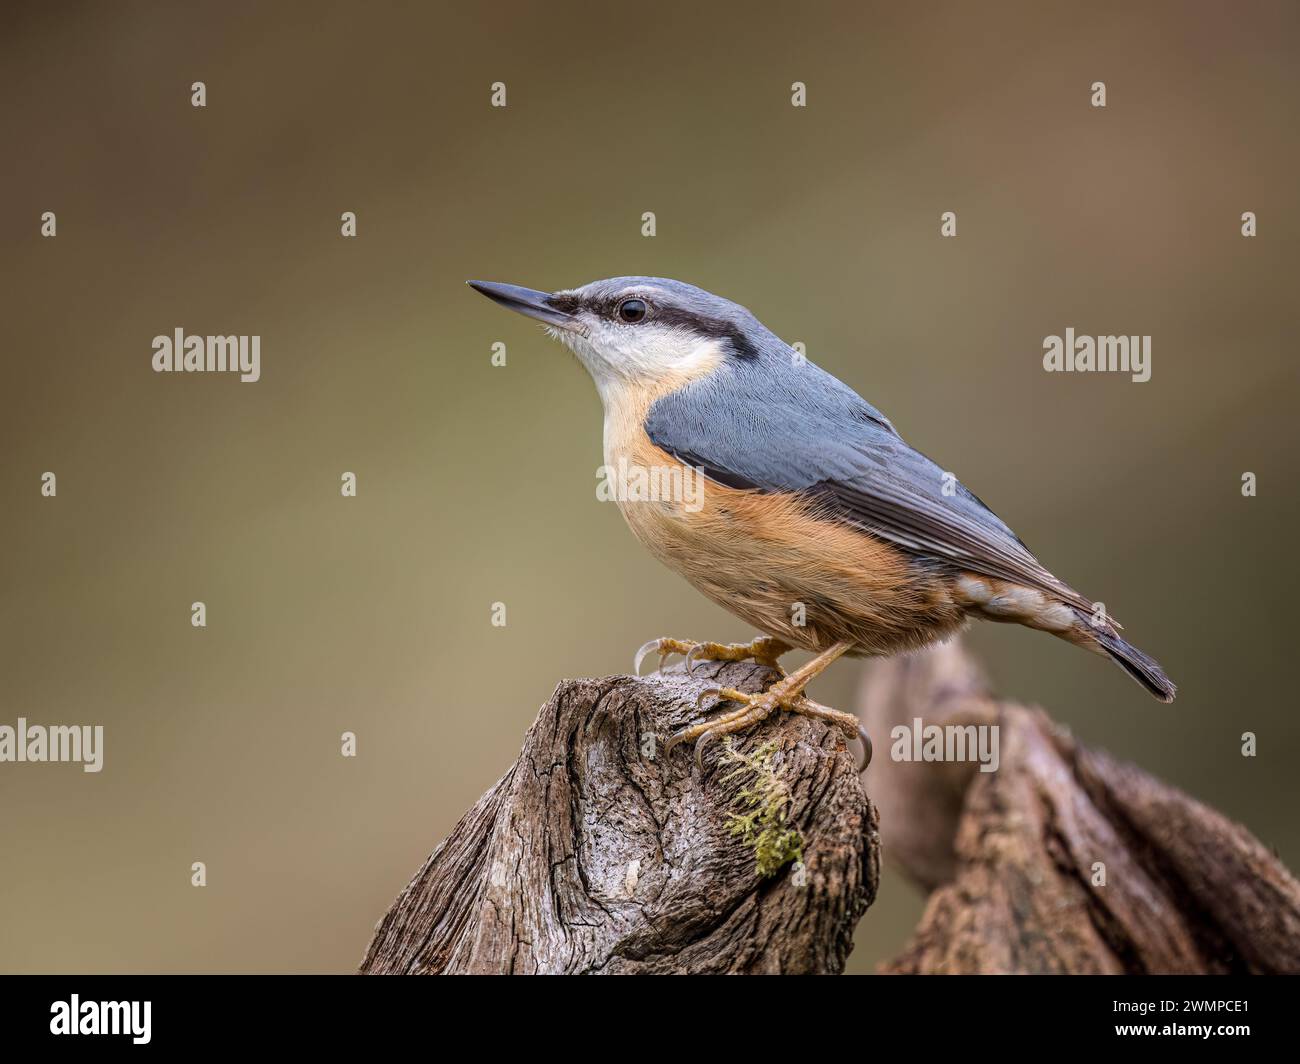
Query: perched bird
<point x="819" y="526"/>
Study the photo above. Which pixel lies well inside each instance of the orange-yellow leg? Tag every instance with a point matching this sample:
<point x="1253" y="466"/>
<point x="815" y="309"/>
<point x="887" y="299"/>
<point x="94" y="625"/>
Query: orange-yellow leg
<point x="764" y="649"/>
<point x="787" y="694"/>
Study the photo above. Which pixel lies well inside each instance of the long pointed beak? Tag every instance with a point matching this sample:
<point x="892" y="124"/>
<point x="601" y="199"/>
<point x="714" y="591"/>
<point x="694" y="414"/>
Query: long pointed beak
<point x="526" y="301"/>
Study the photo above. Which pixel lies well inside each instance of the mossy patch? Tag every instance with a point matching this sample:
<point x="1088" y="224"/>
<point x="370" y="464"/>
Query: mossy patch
<point x="759" y="816"/>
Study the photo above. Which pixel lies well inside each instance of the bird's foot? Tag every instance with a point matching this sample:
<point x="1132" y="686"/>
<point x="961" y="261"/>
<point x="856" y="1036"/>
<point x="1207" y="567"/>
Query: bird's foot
<point x="764" y="650"/>
<point x="754" y="708"/>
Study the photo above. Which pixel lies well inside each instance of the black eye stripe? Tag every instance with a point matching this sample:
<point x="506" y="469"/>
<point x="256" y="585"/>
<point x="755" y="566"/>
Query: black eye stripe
<point x="713" y="328"/>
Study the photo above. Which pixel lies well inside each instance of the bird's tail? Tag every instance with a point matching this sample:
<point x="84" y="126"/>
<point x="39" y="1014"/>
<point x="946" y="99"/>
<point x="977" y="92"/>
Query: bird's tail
<point x="999" y="600"/>
<point x="1144" y="669"/>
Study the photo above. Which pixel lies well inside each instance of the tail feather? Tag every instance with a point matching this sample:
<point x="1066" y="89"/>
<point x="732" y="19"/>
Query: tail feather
<point x="1141" y="667"/>
<point x="998" y="600"/>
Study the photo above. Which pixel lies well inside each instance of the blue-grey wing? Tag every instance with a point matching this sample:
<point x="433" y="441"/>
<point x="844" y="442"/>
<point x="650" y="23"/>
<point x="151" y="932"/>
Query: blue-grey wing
<point x="798" y="429"/>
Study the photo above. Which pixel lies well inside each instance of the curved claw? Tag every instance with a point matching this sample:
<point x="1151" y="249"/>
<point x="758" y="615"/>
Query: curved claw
<point x="691" y="659"/>
<point x="706" y="693"/>
<point x="700" y="744"/>
<point x="673" y="740"/>
<point x="866" y="749"/>
<point x="641" y="655"/>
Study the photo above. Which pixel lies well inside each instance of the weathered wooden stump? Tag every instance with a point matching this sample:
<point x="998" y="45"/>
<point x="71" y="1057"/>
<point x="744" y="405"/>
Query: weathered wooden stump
<point x="595" y="854"/>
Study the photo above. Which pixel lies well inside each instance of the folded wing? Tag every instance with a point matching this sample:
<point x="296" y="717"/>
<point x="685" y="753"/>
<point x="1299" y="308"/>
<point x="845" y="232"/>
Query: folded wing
<point x="795" y="428"/>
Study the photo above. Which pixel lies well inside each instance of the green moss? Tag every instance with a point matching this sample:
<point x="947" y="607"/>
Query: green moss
<point x="759" y="809"/>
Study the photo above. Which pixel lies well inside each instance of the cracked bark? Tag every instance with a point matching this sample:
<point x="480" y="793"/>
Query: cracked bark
<point x="1010" y="856"/>
<point x="590" y="857"/>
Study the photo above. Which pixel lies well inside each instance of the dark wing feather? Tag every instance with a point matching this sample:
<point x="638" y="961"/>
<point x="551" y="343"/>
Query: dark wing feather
<point x="798" y="429"/>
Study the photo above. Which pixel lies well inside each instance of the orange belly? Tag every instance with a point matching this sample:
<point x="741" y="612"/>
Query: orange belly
<point x="784" y="568"/>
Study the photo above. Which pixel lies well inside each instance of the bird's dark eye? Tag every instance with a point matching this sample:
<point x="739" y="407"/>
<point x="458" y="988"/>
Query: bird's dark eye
<point x="632" y="310"/>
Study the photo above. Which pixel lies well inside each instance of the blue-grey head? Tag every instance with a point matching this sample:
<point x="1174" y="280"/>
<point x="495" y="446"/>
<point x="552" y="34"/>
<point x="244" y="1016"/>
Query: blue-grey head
<point x="641" y="331"/>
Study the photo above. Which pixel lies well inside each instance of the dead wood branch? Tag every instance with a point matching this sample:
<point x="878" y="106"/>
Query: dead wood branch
<point x="1014" y="856"/>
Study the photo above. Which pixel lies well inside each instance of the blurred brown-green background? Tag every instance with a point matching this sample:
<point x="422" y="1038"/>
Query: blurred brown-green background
<point x="477" y="484"/>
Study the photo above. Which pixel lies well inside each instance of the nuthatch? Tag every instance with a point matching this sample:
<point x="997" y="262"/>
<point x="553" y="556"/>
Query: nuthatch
<point x="815" y="510"/>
